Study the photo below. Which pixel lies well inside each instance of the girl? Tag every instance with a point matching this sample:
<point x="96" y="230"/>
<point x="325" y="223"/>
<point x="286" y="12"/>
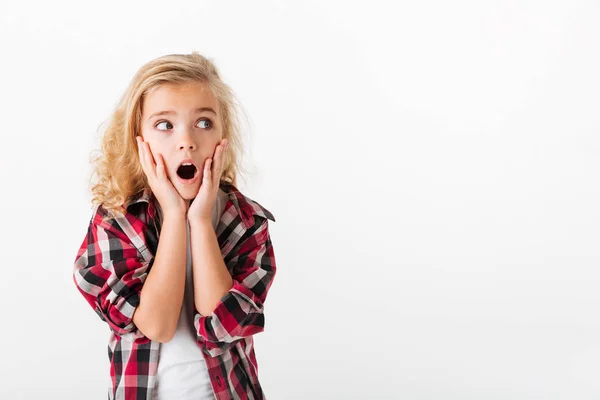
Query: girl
<point x="176" y="260"/>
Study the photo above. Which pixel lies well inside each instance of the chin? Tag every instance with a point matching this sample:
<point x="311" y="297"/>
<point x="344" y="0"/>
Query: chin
<point x="188" y="193"/>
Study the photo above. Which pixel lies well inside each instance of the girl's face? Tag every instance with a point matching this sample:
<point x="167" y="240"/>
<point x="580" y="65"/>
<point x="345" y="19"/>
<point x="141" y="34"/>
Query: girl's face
<point x="182" y="122"/>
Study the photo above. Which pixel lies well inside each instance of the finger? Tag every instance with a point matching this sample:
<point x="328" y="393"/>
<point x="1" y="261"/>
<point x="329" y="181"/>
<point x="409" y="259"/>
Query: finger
<point x="207" y="171"/>
<point x="221" y="163"/>
<point x="223" y="154"/>
<point x="160" y="167"/>
<point x="147" y="166"/>
<point x="150" y="158"/>
<point x="219" y="156"/>
<point x="142" y="154"/>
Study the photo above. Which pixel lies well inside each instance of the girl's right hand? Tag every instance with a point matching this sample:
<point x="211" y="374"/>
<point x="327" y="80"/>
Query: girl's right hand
<point x="170" y="200"/>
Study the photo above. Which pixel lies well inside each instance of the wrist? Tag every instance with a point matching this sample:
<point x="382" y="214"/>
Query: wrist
<point x="174" y="214"/>
<point x="199" y="222"/>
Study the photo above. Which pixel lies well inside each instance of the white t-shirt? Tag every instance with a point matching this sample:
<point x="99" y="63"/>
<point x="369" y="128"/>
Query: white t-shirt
<point x="182" y="373"/>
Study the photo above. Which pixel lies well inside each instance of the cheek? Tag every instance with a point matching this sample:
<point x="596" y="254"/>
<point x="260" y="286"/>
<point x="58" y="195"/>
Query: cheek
<point x="157" y="150"/>
<point x="154" y="143"/>
<point x="212" y="146"/>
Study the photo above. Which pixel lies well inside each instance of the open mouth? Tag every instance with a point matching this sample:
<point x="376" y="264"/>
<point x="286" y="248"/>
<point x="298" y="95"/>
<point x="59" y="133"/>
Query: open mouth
<point x="187" y="171"/>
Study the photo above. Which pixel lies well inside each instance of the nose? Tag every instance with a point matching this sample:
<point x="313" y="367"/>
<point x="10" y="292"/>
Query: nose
<point x="187" y="142"/>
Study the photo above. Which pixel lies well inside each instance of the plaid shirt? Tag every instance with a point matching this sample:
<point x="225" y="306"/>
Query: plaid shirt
<point x="117" y="255"/>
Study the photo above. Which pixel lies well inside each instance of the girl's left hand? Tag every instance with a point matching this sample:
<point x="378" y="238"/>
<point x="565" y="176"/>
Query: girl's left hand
<point x="202" y="205"/>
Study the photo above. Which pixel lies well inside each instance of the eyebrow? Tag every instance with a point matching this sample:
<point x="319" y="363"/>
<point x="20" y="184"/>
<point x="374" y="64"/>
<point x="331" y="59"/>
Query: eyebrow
<point x="170" y="112"/>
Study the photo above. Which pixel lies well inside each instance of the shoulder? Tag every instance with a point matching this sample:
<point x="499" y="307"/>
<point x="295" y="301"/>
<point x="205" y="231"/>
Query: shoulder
<point x="247" y="208"/>
<point x="130" y="222"/>
<point x="124" y="232"/>
<point x="255" y="208"/>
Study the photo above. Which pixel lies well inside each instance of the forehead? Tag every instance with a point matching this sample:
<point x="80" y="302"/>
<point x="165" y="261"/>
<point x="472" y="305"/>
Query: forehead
<point x="178" y="97"/>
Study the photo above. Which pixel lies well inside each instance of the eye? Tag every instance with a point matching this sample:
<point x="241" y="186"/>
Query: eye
<point x="170" y="126"/>
<point x="207" y="123"/>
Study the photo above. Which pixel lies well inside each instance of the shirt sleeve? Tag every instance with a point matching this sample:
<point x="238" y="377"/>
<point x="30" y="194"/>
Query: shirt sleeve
<point x="110" y="272"/>
<point x="239" y="313"/>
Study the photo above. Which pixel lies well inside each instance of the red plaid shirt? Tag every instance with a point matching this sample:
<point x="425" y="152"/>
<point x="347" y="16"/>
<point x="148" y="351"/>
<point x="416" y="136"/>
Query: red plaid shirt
<point x="117" y="255"/>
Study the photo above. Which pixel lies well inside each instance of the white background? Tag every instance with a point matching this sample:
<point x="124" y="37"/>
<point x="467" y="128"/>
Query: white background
<point x="432" y="166"/>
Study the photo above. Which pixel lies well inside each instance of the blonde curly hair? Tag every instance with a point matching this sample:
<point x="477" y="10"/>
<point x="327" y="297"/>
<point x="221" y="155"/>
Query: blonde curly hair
<point x="117" y="173"/>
